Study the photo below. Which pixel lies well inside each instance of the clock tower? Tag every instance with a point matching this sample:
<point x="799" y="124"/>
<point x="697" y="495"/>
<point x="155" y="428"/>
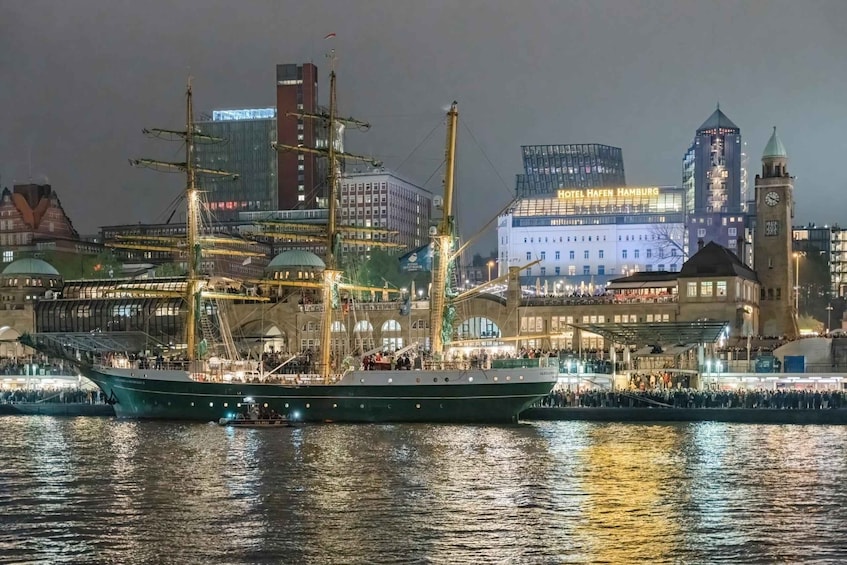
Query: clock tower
<point x="773" y="243"/>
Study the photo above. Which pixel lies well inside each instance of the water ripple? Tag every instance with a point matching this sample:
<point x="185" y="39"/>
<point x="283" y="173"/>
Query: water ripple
<point x="89" y="490"/>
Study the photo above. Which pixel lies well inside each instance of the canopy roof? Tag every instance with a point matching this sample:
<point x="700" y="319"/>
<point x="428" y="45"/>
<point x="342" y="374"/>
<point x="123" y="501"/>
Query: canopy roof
<point x="667" y="333"/>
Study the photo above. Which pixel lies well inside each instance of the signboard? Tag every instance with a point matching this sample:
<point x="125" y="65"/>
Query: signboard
<point x="607" y="193"/>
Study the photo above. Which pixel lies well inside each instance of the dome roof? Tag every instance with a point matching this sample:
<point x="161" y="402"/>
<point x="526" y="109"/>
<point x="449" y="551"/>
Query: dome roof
<point x="775" y="148"/>
<point x="30" y="266"/>
<point x="296" y="258"/>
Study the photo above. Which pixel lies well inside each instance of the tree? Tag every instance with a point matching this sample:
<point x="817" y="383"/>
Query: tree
<point x="670" y="242"/>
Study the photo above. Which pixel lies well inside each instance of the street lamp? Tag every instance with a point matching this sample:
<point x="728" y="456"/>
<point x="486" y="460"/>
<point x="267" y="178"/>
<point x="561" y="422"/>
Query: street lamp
<point x="797" y="255"/>
<point x="490" y="264"/>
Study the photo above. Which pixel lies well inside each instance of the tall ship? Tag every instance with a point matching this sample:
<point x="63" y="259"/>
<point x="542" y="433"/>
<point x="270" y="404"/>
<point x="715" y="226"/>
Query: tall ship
<point x="192" y="384"/>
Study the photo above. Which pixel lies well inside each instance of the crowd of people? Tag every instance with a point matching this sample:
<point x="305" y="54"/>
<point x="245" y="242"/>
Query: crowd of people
<point x="35" y="365"/>
<point x="52" y="394"/>
<point x="780" y="399"/>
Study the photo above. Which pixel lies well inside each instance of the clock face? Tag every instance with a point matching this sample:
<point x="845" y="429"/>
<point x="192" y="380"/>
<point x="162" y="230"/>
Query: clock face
<point x="772" y="198"/>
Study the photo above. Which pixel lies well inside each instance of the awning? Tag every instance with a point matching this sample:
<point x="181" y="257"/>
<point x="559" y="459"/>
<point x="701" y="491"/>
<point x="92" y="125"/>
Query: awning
<point x="94" y="342"/>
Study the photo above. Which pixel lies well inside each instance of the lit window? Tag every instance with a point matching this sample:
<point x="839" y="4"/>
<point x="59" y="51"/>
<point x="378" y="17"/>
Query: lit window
<point x="692" y="289"/>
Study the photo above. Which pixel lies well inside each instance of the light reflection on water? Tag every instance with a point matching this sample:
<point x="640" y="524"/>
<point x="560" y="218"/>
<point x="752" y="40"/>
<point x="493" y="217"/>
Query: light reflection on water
<point x="93" y="490"/>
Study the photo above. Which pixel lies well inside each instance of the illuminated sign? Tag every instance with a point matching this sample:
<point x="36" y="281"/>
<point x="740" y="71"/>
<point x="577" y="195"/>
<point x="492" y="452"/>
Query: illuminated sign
<point x="607" y="193"/>
<point x="246" y="114"/>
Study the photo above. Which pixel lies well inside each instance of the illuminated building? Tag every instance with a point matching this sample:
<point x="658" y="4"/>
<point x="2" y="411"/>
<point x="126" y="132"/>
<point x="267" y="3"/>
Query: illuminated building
<point x="547" y="168"/>
<point x="247" y="152"/>
<point x="584" y="237"/>
<point x="711" y="179"/>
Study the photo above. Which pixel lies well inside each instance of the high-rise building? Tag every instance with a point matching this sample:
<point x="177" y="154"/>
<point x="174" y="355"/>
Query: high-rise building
<point x="245" y="151"/>
<point x="548" y="168"/>
<point x="301" y="176"/>
<point x="773" y="243"/>
<point x="711" y="178"/>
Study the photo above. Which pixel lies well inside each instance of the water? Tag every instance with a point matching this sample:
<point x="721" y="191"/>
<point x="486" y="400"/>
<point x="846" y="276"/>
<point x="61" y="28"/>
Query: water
<point x="97" y="490"/>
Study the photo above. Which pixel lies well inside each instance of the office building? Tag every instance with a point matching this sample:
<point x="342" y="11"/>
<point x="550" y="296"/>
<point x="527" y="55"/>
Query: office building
<point x="548" y="168"/>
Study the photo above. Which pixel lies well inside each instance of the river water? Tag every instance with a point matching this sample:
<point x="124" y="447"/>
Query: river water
<point x="100" y="490"/>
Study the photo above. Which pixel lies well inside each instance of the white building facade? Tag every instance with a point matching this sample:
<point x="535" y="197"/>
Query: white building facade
<point x="581" y="238"/>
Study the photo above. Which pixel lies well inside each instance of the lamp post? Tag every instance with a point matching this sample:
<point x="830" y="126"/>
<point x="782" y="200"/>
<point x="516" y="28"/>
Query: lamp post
<point x="490" y="264"/>
<point x="828" y="317"/>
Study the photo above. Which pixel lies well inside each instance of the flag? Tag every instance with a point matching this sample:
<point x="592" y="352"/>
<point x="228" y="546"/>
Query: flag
<point x="329" y="36"/>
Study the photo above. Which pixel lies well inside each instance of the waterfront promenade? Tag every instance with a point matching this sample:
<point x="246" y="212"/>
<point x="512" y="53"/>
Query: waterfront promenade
<point x="681" y="405"/>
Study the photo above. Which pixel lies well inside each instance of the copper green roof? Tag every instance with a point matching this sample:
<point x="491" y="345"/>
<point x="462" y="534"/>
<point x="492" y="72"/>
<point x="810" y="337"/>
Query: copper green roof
<point x="718" y="120"/>
<point x="775" y="148"/>
<point x="30" y="266"/>
<point x="295" y="258"/>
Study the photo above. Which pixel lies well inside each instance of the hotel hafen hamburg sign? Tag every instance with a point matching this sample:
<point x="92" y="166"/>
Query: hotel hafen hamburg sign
<point x="590" y="197"/>
<point x="607" y="194"/>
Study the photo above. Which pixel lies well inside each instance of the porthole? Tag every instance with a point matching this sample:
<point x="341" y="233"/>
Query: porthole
<point x="226" y="404"/>
<point x="470" y="379"/>
<point x="521" y="377"/>
<point x="390" y="380"/>
<point x="192" y="404"/>
<point x="417" y="405"/>
<point x="361" y="405"/>
<point x="335" y="405"/>
<point x="495" y="378"/>
<point x="446" y="379"/>
<point x="211" y="404"/>
<point x="361" y="380"/>
<point x="308" y="405"/>
<point x="435" y="379"/>
<point x="286" y="405"/>
<point x="239" y="405"/>
<point x="266" y="404"/>
<point x="417" y="379"/>
<point x="508" y="378"/>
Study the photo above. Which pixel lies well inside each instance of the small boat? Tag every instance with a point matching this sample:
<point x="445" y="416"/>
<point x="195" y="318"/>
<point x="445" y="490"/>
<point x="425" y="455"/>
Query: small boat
<point x="254" y="416"/>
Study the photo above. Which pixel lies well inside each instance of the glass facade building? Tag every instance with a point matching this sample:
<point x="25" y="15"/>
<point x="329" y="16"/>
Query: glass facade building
<point x="247" y="152"/>
<point x="547" y="168"/>
<point x="712" y="179"/>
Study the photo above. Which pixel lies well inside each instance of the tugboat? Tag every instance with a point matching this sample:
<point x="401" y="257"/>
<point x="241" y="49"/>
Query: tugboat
<point x="255" y="415"/>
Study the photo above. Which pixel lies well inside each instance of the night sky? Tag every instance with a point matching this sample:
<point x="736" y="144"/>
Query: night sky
<point x="81" y="79"/>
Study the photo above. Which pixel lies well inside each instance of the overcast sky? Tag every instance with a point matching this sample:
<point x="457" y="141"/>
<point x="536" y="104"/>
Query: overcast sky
<point x="79" y="79"/>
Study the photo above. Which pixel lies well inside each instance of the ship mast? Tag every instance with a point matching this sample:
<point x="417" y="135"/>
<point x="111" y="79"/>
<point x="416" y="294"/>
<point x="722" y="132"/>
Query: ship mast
<point x="442" y="241"/>
<point x="193" y="250"/>
<point x="333" y="239"/>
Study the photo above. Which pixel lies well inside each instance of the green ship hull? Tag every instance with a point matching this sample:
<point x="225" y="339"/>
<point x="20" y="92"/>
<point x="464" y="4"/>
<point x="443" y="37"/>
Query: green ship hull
<point x="413" y="397"/>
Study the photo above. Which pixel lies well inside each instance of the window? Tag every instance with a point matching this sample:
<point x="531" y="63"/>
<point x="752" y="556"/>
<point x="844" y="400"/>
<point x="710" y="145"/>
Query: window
<point x="558" y="271"/>
<point x="623" y="254"/>
<point x="732" y="232"/>
<point x="601" y="269"/>
<point x="558" y="253"/>
<point x="649" y="267"/>
<point x="571" y="270"/>
<point x="586" y="269"/>
<point x="585" y="255"/>
<point x="529" y="256"/>
<point x="649" y="253"/>
<point x="637" y="253"/>
<point x="721" y="288"/>
<point x="706" y="289"/>
<point x="8" y="256"/>
<point x="600" y="254"/>
<point x="543" y="255"/>
<point x="571" y="255"/>
<point x="701" y="232"/>
<point x="692" y="289"/>
<point x="543" y="271"/>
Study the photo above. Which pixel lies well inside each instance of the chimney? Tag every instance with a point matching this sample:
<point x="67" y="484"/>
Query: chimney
<point x="700" y="244"/>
